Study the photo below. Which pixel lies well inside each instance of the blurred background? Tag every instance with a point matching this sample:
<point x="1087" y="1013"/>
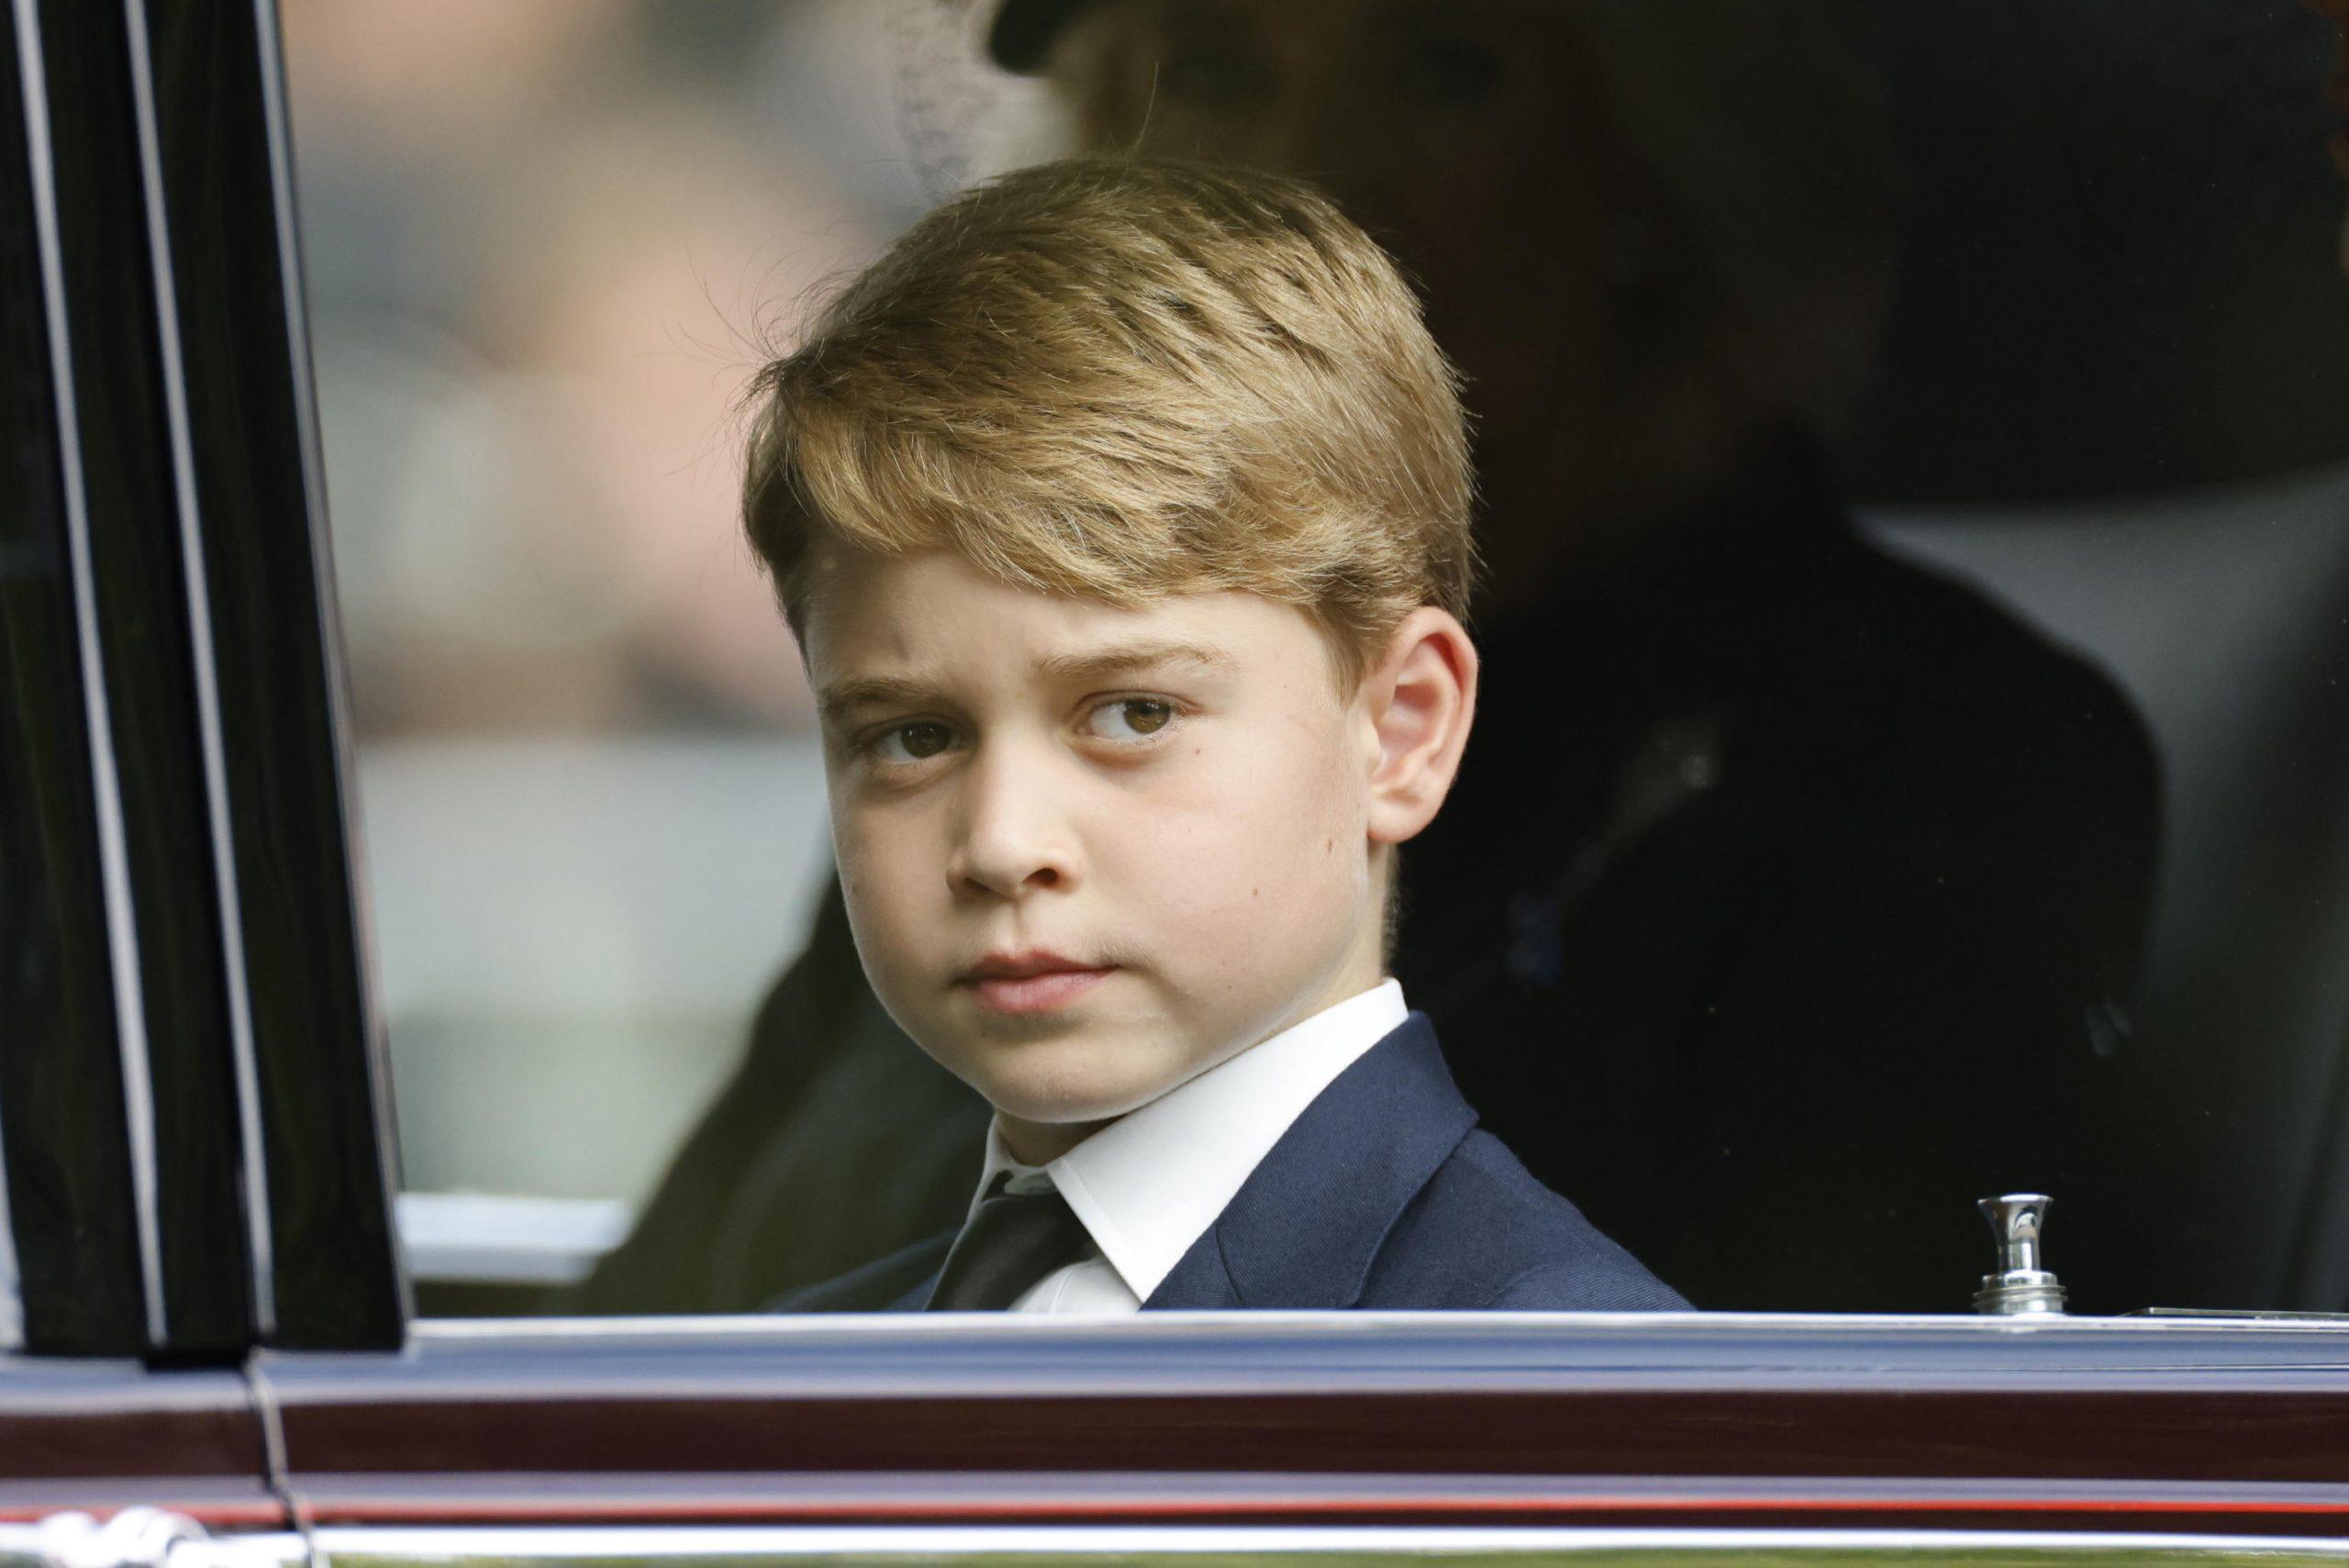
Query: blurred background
<point x="547" y="242"/>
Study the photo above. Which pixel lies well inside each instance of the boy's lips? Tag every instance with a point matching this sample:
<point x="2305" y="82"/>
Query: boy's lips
<point x="1034" y="981"/>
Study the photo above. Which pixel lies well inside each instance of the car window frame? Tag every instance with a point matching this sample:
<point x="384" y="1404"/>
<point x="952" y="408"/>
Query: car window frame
<point x="209" y="1143"/>
<point x="326" y="1157"/>
<point x="83" y="1209"/>
<point x="345" y="1146"/>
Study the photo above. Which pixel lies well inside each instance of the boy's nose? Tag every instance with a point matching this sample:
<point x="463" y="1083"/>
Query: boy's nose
<point x="1011" y="843"/>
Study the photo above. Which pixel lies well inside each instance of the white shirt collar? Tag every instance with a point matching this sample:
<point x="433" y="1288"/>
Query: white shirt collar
<point x="1150" y="1182"/>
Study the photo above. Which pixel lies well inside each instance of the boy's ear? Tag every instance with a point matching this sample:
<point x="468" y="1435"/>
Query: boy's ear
<point x="1420" y="699"/>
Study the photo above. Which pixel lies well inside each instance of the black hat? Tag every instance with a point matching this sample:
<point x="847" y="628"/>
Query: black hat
<point x="1023" y="30"/>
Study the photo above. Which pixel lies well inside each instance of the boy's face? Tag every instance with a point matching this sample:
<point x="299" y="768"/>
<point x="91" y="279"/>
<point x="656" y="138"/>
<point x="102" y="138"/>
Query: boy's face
<point x="1090" y="852"/>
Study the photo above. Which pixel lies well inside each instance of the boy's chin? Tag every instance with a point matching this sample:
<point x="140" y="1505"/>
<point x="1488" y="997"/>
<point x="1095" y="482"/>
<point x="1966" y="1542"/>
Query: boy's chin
<point x="1066" y="1080"/>
<point x="1060" y="1105"/>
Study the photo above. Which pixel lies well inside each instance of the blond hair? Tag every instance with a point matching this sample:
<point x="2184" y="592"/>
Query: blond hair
<point x="1122" y="379"/>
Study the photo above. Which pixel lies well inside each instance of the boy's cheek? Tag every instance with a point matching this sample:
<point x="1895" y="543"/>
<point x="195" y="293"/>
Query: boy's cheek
<point x="873" y="889"/>
<point x="868" y="839"/>
<point x="840" y="813"/>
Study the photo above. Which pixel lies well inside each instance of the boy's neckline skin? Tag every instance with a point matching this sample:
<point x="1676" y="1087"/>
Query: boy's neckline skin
<point x="1090" y="852"/>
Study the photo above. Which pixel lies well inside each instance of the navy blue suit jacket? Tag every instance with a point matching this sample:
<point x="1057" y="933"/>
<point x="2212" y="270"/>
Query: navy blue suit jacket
<point x="1384" y="1194"/>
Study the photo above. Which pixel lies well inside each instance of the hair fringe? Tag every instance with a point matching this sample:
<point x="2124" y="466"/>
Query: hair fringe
<point x="1121" y="380"/>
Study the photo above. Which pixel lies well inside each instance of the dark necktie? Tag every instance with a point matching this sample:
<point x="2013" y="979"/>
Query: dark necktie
<point x="1014" y="1240"/>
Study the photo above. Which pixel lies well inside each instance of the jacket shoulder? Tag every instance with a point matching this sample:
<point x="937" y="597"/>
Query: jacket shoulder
<point x="1484" y="1235"/>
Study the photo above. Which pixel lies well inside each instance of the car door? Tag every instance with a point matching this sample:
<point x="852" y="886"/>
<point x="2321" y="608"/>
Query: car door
<point x="198" y="1149"/>
<point x="135" y="1284"/>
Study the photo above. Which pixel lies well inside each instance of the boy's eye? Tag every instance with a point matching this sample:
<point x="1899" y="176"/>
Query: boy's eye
<point x="912" y="742"/>
<point x="1128" y="719"/>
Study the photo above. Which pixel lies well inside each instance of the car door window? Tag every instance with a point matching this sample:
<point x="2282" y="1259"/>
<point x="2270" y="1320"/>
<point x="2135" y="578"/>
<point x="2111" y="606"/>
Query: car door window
<point x="1991" y="841"/>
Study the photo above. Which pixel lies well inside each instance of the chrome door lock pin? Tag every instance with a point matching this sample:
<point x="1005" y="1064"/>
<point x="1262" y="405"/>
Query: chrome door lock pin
<point x="2021" y="1287"/>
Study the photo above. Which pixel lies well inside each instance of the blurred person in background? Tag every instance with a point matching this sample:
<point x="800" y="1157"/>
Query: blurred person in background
<point x="531" y="227"/>
<point x="1833" y="853"/>
<point x="537" y="236"/>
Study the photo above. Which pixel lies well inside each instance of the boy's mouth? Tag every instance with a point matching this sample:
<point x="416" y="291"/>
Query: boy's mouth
<point x="1032" y="981"/>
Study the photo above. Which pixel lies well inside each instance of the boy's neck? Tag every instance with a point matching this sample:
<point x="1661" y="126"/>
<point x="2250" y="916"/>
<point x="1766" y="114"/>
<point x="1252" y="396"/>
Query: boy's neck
<point x="1041" y="1142"/>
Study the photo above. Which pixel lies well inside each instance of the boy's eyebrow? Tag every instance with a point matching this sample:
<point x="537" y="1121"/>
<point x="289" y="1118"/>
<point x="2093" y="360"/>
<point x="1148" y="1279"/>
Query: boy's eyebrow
<point x="843" y="697"/>
<point x="1118" y="660"/>
<point x="883" y="691"/>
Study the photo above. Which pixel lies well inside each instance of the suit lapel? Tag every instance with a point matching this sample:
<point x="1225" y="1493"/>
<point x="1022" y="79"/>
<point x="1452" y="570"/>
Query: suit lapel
<point x="1305" y="1227"/>
<point x="1200" y="1282"/>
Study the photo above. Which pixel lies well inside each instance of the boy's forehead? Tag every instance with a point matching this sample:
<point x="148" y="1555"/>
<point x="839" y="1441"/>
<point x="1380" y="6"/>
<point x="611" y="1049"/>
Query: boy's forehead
<point x="861" y="603"/>
<point x="935" y="615"/>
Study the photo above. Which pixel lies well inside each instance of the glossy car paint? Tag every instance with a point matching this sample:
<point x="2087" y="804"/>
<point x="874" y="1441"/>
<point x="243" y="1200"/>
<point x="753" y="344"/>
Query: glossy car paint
<point x="175" y="245"/>
<point x="1432" y="1418"/>
<point x="1290" y="1547"/>
<point x="101" y="1435"/>
<point x="191" y="965"/>
<point x="129" y="454"/>
<point x="69" y="987"/>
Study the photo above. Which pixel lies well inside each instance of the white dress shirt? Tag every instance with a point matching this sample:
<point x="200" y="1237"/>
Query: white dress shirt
<point x="1150" y="1182"/>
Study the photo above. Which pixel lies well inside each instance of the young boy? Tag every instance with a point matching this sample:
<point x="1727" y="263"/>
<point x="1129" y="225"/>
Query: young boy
<point x="1121" y="514"/>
